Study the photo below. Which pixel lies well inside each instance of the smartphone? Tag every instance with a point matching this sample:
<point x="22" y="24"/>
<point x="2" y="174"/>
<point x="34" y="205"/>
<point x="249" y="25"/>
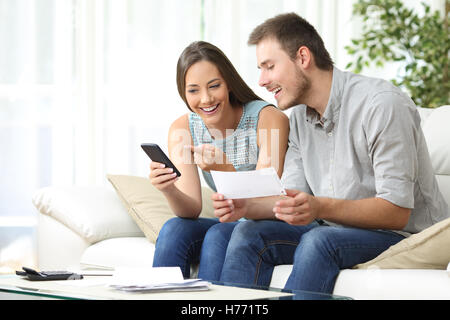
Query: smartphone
<point x="156" y="154"/>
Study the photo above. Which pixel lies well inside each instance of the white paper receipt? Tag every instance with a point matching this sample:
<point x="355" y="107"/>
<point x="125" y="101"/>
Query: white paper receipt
<point x="248" y="184"/>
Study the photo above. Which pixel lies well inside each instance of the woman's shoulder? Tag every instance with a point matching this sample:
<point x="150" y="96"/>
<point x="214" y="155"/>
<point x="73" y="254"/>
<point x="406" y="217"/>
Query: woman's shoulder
<point x="270" y="112"/>
<point x="180" y="129"/>
<point x="256" y="105"/>
<point x="180" y="123"/>
<point x="263" y="107"/>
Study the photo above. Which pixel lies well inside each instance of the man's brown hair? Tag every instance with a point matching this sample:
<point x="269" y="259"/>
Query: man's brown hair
<point x="292" y="32"/>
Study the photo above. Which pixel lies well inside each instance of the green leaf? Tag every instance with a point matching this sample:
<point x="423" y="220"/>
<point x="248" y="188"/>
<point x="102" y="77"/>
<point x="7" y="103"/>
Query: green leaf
<point x="394" y="33"/>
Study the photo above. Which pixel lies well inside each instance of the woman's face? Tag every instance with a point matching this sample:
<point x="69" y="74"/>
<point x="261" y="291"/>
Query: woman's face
<point x="207" y="92"/>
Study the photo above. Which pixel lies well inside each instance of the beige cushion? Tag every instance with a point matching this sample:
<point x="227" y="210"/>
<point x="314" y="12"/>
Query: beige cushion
<point x="429" y="249"/>
<point x="147" y="205"/>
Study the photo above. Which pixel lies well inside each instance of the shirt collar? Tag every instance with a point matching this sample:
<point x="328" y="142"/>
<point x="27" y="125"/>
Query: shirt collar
<point x="331" y="114"/>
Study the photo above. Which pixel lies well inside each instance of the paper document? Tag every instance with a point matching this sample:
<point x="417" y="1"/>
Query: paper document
<point x="132" y="276"/>
<point x="248" y="184"/>
<point x="154" y="279"/>
<point x="184" y="285"/>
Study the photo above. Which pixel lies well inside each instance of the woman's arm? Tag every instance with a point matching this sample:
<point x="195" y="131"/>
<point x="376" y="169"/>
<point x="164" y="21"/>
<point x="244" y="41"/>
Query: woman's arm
<point x="183" y="193"/>
<point x="273" y="133"/>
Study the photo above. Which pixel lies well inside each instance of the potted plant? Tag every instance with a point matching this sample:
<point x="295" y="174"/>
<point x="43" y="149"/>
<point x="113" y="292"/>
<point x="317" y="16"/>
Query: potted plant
<point x="392" y="32"/>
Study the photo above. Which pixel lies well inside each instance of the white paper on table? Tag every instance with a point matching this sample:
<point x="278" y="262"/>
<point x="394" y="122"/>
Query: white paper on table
<point x="248" y="184"/>
<point x="131" y="276"/>
<point x="154" y="279"/>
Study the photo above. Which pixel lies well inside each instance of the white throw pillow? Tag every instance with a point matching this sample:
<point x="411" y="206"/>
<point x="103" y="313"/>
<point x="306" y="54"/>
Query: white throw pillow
<point x="95" y="213"/>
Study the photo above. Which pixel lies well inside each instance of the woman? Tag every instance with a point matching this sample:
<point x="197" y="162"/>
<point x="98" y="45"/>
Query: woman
<point x="229" y="129"/>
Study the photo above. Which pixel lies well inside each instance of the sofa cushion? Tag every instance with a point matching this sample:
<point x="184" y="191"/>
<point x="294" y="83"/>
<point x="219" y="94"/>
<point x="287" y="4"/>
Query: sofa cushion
<point x="119" y="252"/>
<point x="94" y="213"/>
<point x="393" y="284"/>
<point x="147" y="205"/>
<point x="428" y="249"/>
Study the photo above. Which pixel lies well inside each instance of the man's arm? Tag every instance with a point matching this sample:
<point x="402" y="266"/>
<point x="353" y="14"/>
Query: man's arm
<point x="372" y="213"/>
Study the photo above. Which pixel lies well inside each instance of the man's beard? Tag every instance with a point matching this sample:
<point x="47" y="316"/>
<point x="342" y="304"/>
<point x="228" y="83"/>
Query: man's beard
<point x="301" y="88"/>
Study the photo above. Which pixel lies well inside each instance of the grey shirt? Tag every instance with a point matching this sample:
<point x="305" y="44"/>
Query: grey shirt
<point x="368" y="143"/>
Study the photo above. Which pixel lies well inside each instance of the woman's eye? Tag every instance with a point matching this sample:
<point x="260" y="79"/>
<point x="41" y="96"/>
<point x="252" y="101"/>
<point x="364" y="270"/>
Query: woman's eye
<point x="215" y="86"/>
<point x="192" y="90"/>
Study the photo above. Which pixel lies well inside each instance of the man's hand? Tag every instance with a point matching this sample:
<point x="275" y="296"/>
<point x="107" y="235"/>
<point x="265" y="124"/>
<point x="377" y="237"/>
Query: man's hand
<point x="228" y="210"/>
<point x="299" y="209"/>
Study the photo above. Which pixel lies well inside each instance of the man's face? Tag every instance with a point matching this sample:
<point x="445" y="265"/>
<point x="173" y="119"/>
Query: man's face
<point x="280" y="74"/>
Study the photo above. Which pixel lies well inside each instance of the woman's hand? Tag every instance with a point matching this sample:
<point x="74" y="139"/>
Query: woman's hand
<point x="161" y="177"/>
<point x="209" y="157"/>
<point x="228" y="210"/>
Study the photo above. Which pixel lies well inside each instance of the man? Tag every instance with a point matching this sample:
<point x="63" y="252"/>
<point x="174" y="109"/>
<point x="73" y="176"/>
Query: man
<point x="357" y="171"/>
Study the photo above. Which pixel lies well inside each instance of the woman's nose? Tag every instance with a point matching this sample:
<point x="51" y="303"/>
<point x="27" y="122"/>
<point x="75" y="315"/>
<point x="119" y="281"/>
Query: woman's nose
<point x="206" y="97"/>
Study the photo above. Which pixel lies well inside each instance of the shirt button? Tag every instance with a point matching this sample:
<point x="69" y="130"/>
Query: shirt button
<point x="330" y="134"/>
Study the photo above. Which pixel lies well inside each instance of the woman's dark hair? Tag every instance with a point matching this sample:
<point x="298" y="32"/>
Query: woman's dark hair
<point x="292" y="32"/>
<point x="240" y="92"/>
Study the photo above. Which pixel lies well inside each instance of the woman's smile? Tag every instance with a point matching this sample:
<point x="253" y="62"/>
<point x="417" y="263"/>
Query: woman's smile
<point x="211" y="110"/>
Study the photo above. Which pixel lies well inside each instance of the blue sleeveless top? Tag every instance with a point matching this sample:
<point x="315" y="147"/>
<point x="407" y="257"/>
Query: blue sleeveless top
<point x="240" y="147"/>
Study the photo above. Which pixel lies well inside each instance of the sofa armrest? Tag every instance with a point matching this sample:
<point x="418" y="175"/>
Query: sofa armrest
<point x="94" y="213"/>
<point x="58" y="247"/>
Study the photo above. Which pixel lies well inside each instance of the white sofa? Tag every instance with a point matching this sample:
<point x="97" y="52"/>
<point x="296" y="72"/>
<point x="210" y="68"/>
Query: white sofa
<point x="89" y="226"/>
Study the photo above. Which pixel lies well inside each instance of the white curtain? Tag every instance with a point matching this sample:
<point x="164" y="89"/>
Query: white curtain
<point x="82" y="83"/>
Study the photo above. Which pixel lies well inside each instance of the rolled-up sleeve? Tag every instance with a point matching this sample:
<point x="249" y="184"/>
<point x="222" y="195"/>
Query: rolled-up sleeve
<point x="391" y="134"/>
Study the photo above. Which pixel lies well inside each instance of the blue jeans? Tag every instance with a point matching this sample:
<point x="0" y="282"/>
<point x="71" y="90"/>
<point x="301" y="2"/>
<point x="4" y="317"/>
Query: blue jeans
<point x="179" y="243"/>
<point x="317" y="252"/>
<point x="214" y="249"/>
<point x="183" y="242"/>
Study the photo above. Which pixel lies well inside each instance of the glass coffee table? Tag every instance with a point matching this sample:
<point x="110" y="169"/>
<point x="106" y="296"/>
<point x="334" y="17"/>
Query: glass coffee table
<point x="96" y="288"/>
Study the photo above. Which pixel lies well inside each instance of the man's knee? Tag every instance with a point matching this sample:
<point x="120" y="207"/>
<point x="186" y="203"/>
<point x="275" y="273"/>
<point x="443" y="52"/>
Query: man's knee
<point x="247" y="235"/>
<point x="317" y="239"/>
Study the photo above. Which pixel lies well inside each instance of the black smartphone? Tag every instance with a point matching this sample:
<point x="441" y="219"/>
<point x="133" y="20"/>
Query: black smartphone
<point x="156" y="154"/>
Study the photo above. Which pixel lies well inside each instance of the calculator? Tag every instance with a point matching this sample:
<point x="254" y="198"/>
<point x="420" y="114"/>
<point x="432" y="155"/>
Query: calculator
<point x="34" y="275"/>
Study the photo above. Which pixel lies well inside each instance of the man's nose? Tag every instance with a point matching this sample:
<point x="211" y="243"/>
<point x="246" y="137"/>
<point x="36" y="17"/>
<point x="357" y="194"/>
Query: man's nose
<point x="263" y="81"/>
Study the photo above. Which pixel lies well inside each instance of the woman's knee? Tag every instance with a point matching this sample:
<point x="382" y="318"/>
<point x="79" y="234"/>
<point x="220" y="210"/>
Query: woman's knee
<point x="172" y="226"/>
<point x="181" y="229"/>
<point x="220" y="232"/>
